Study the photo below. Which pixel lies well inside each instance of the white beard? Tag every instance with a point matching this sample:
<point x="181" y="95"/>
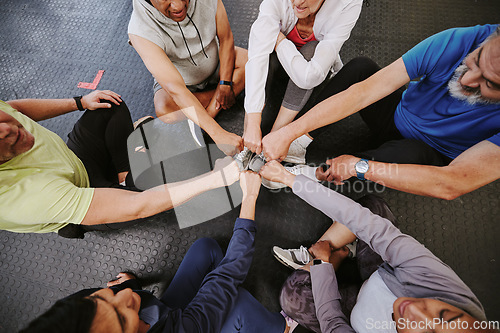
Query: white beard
<point x="456" y="90"/>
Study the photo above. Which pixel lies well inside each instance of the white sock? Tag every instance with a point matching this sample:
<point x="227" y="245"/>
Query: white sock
<point x="304" y="140"/>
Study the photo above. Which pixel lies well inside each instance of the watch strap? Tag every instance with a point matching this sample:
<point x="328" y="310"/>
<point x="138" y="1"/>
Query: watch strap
<point x="317" y="262"/>
<point x="78" y="100"/>
<point x="360" y="175"/>
<point x="226" y="83"/>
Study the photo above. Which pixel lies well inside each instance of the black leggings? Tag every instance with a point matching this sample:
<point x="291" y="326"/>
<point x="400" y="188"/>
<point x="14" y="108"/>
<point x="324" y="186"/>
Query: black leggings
<point x="99" y="140"/>
<point x="379" y="117"/>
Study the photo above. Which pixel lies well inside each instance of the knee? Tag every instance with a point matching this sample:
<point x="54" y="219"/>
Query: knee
<point x="207" y="245"/>
<point x="164" y="104"/>
<point x="308" y="49"/>
<point x="241" y="57"/>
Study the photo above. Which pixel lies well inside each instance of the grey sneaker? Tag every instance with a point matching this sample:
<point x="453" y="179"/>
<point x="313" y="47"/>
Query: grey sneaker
<point x="300" y="169"/>
<point x="257" y="162"/>
<point x="296" y="153"/>
<point x="243" y="158"/>
<point x="352" y="248"/>
<point x="293" y="258"/>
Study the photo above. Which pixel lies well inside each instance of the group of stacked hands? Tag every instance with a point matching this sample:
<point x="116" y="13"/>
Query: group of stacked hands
<point x="442" y="133"/>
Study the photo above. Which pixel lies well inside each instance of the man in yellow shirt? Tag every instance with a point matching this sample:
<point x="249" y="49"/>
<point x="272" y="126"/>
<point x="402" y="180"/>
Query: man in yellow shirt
<point x="48" y="186"/>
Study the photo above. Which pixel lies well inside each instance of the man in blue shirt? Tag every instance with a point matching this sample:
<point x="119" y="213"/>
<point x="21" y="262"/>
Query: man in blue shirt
<point x="443" y="131"/>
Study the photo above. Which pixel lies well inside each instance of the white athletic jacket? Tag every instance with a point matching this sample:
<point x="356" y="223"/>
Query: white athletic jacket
<point x="332" y="27"/>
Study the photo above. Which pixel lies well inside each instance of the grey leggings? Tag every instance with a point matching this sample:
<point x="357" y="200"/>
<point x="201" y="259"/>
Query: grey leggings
<point x="280" y="89"/>
<point x="295" y="97"/>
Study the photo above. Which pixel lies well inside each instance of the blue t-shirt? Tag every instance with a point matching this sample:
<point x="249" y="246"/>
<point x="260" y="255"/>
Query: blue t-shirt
<point x="428" y="112"/>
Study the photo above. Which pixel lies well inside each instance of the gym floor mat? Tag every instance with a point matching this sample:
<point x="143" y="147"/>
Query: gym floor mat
<point x="49" y="46"/>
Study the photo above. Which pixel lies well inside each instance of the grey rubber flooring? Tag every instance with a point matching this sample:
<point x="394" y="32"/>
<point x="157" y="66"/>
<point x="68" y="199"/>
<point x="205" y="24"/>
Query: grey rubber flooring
<point x="48" y="46"/>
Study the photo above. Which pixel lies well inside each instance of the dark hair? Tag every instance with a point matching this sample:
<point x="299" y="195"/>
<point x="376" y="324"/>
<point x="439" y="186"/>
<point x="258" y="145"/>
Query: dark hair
<point x="72" y="314"/>
<point x="377" y="206"/>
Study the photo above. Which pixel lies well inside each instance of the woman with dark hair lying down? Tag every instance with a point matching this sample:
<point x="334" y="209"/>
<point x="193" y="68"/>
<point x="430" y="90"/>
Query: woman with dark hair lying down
<point x="412" y="291"/>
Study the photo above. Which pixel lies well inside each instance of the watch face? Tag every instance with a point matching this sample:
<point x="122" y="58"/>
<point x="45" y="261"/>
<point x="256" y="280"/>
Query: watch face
<point x="362" y="166"/>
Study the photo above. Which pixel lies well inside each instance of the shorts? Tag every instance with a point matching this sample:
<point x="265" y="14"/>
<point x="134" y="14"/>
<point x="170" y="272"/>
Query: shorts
<point x="209" y="83"/>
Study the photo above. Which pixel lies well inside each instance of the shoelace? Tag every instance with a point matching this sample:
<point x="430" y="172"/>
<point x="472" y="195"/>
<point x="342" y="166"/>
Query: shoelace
<point x="303" y="255"/>
<point x="294" y="169"/>
<point x="241" y="154"/>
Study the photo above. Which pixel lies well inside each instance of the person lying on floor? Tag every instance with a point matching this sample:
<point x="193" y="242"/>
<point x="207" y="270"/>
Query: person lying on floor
<point x="204" y="296"/>
<point x="410" y="289"/>
<point x="49" y="186"/>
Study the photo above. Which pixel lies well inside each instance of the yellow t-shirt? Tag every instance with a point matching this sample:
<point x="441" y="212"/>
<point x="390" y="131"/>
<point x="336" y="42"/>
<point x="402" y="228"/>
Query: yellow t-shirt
<point x="45" y="188"/>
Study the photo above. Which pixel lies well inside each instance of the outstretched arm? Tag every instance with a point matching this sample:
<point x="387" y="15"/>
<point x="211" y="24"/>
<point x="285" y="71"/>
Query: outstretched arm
<point x="110" y="205"/>
<point x="337" y="107"/>
<point x="41" y="109"/>
<point x="472" y="169"/>
<point x="209" y="308"/>
<point x="171" y="80"/>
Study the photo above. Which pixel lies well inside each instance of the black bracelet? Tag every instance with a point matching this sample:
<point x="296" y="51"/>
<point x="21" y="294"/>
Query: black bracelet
<point x="226" y="83"/>
<point x="78" y="100"/>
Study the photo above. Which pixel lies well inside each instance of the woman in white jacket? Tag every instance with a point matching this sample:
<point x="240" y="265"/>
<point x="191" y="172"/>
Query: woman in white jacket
<point x="302" y="39"/>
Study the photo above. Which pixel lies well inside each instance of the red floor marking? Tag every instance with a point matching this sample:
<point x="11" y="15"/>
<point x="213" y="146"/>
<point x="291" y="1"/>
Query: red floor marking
<point x="94" y="83"/>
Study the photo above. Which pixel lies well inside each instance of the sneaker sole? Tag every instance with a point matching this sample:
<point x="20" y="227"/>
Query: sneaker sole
<point x="294" y="160"/>
<point x="283" y="262"/>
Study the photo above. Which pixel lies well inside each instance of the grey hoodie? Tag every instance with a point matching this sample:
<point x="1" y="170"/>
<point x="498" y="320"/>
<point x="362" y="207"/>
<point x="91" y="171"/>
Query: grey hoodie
<point x="191" y="44"/>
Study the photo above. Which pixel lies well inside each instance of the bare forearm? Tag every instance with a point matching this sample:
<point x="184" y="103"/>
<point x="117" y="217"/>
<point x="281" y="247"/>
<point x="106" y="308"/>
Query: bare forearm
<point x="227" y="58"/>
<point x="115" y="205"/>
<point x="41" y="109"/>
<point x="425" y="180"/>
<point x="247" y="210"/>
<point x="327" y="112"/>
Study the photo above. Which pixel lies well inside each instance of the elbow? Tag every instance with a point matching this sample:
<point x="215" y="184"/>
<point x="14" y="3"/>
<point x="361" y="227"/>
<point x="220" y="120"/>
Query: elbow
<point x="449" y="195"/>
<point x="310" y="82"/>
<point x="448" y="191"/>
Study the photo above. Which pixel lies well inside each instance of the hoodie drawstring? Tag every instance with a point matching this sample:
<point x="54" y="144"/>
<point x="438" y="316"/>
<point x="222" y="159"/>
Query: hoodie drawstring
<point x="199" y="36"/>
<point x="185" y="42"/>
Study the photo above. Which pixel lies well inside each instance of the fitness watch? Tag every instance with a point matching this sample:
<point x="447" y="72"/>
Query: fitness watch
<point x="361" y="168"/>
<point x="78" y="100"/>
<point x="317" y="262"/>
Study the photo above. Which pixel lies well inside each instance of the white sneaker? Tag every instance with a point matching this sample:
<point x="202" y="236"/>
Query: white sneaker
<point x="243" y="158"/>
<point x="300" y="169"/>
<point x="297" y="151"/>
<point x="293" y="258"/>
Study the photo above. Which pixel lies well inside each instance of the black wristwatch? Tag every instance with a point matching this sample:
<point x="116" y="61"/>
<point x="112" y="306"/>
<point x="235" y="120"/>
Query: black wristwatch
<point x="78" y="100"/>
<point x="226" y="83"/>
<point x="317" y="262"/>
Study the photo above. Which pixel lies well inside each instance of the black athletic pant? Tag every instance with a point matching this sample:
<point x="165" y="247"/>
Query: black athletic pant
<point x="99" y="140"/>
<point x="379" y="117"/>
